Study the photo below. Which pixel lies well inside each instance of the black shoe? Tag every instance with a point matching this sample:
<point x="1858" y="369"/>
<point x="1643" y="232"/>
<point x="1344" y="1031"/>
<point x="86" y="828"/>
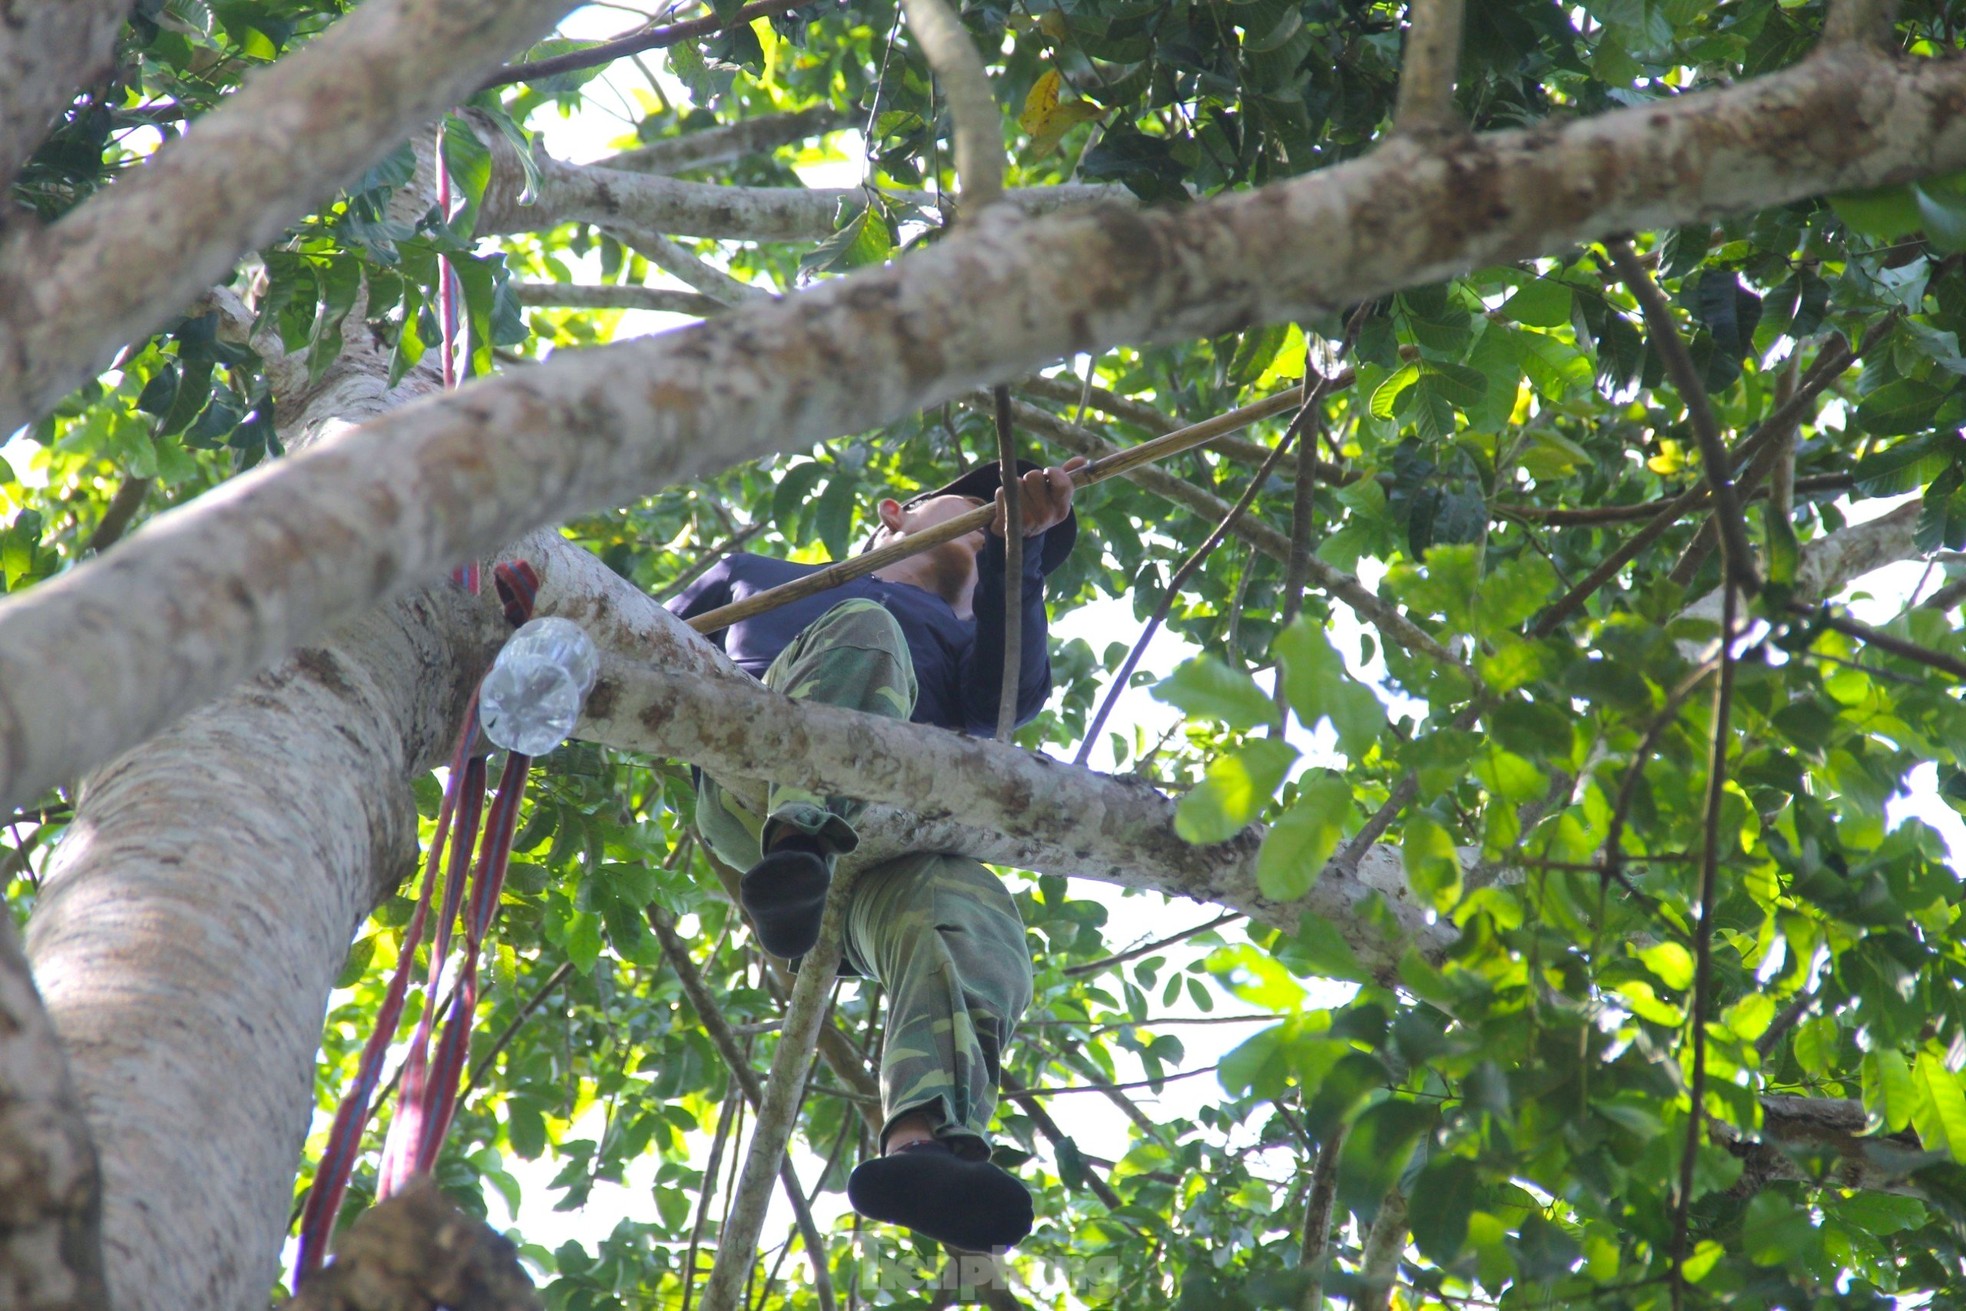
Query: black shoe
<point x="926" y="1187"/>
<point x="785" y="894"/>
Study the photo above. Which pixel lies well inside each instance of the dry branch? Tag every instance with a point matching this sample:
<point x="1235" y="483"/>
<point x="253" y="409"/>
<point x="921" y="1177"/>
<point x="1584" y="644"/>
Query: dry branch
<point x="295" y="549"/>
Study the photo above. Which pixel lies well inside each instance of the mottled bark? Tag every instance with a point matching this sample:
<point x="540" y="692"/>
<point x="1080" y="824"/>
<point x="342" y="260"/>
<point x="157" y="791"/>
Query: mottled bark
<point x="49" y="49"/>
<point x="415" y="1252"/>
<point x="96" y="660"/>
<point x="595" y="193"/>
<point x="193" y="922"/>
<point x="125" y="260"/>
<point x="50" y="1190"/>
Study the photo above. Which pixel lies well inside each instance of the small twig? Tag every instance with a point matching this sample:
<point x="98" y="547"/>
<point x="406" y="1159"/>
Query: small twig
<point x="1736" y="555"/>
<point x="1612" y="857"/>
<point x="1568" y="517"/>
<point x="1883" y="641"/>
<point x="1723" y="708"/>
<point x="1828" y="367"/>
<point x="1778" y="458"/>
<point x="1315" y="1253"/>
<point x="1047" y="1126"/>
<point x="1031" y="1094"/>
<point x="579" y="296"/>
<point x="532" y="1004"/>
<point x="1181" y="575"/>
<point x="654" y="38"/>
<point x="1785" y="1019"/>
<point x="1427" y="69"/>
<point x="717" y="145"/>
<point x="1135" y="953"/>
<point x="122" y="508"/>
<point x="725" y="1120"/>
<point x="671" y="258"/>
<point x="705" y="559"/>
<point x="676" y="952"/>
<point x="1011" y="489"/>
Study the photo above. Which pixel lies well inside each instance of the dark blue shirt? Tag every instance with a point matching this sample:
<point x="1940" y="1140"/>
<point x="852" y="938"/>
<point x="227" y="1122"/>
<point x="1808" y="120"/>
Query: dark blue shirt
<point x="958" y="662"/>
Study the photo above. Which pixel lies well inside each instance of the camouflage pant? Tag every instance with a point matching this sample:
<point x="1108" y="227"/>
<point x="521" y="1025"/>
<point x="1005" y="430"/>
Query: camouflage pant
<point x="938" y="931"/>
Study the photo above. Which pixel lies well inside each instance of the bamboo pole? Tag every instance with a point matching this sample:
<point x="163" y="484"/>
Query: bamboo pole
<point x="1111" y="466"/>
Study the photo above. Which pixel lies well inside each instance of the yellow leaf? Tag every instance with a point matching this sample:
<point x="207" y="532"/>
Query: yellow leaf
<point x="1040" y="103"/>
<point x="1046" y="120"/>
<point x="1670" y="459"/>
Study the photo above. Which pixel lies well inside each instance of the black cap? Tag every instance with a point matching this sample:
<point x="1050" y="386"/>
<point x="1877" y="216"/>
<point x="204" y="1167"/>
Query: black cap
<point x="982" y="483"/>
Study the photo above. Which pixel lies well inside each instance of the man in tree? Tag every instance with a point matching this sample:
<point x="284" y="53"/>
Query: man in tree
<point x="921" y="639"/>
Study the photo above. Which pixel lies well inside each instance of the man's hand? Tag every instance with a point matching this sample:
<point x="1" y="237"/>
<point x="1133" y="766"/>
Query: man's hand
<point x="1045" y="497"/>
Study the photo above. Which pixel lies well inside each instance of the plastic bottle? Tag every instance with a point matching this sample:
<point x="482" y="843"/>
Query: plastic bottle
<point x="531" y="699"/>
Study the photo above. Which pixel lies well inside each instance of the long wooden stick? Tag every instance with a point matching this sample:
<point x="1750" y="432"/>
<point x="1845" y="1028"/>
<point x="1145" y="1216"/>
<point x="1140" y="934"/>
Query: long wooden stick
<point x="1181" y="439"/>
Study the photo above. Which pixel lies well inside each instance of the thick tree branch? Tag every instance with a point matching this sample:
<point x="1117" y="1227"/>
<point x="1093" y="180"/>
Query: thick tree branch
<point x="1861" y="22"/>
<point x="1427" y="69"/>
<point x="978" y="123"/>
<point x="1385" y="1243"/>
<point x="594" y="193"/>
<point x="98" y="659"/>
<point x="133" y="254"/>
<point x="50" y="1188"/>
<point x="1315" y="1251"/>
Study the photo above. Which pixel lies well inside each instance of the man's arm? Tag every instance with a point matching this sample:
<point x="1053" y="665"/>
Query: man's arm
<point x="710" y="590"/>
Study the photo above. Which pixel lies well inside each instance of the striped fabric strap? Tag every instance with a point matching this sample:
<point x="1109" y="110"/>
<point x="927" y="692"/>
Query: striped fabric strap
<point x="429" y="1088"/>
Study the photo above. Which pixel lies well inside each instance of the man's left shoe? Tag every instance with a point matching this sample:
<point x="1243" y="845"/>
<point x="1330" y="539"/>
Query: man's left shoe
<point x="926" y="1187"/>
<point x="785" y="894"/>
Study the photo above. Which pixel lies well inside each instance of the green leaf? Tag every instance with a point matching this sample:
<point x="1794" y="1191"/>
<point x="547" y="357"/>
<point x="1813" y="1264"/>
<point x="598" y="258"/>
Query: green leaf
<point x="1815" y="1044"/>
<point x="864" y="239"/>
<point x="1302" y="839"/>
<point x="1540" y="303"/>
<point x="1386" y="394"/>
<point x="1444" y="1196"/>
<point x="1433" y="866"/>
<point x="468" y="161"/>
<point x="357" y="963"/>
<point x="1233" y="792"/>
<point x="1889" y="1093"/>
<point x="1942" y="211"/>
<point x="1670" y="963"/>
<point x="1317" y="685"/>
<point x="1942" y="515"/>
<point x="1905" y="405"/>
<point x="1206" y="688"/>
<point x="1885" y="213"/>
<point x="1939" y="1111"/>
<point x="1902" y="466"/>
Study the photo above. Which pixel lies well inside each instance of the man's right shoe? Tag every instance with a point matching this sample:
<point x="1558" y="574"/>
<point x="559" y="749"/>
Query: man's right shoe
<point x="973" y="1205"/>
<point x="785" y="894"/>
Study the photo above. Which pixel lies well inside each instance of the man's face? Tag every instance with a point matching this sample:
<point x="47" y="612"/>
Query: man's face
<point x="950" y="567"/>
